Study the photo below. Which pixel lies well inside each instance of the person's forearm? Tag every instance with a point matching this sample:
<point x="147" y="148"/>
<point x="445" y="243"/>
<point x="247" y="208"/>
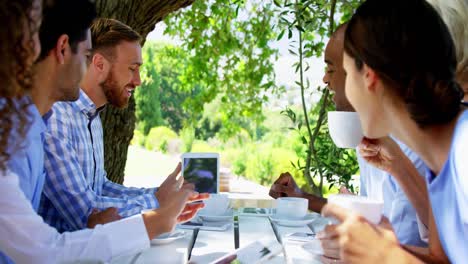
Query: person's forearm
<point x="156" y="223"/>
<point x="403" y="256"/>
<point x="422" y="254"/>
<point x="414" y="186"/>
<point x="315" y="203"/>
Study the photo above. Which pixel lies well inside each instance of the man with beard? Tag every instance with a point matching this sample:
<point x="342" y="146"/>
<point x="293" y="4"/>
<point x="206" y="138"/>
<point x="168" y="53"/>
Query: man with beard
<point x="374" y="183"/>
<point x="76" y="183"/>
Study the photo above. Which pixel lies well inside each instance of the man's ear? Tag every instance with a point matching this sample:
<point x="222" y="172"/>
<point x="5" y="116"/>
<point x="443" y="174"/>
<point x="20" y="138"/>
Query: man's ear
<point x="61" y="48"/>
<point x="99" y="62"/>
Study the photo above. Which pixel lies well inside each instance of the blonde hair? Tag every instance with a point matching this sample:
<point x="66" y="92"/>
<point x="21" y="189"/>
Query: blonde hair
<point x="455" y="15"/>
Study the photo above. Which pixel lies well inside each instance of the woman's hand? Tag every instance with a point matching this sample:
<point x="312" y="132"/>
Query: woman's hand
<point x="360" y="241"/>
<point x="383" y="153"/>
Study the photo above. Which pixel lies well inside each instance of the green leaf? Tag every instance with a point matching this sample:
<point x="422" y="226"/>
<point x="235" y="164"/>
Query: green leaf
<point x="280" y="36"/>
<point x="292" y="52"/>
<point x="277" y="3"/>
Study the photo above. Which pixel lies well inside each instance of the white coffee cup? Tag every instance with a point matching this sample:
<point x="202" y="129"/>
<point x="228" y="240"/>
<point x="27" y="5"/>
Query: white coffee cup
<point x="368" y="208"/>
<point x="291" y="207"/>
<point x="217" y="204"/>
<point x="345" y="129"/>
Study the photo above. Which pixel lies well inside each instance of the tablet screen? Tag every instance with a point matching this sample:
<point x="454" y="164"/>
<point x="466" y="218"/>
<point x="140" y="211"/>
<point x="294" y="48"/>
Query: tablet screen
<point x="203" y="172"/>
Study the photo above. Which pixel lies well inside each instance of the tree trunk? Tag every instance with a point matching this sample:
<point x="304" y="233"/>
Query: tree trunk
<point x="118" y="124"/>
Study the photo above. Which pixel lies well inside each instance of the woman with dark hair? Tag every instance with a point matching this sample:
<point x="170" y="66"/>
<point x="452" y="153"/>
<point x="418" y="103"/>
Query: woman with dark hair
<point x="25" y="238"/>
<point x="401" y="66"/>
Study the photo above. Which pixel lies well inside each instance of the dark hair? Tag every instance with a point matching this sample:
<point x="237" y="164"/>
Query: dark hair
<point x="70" y="17"/>
<point x="411" y="49"/>
<point x="15" y="74"/>
<point x="106" y="33"/>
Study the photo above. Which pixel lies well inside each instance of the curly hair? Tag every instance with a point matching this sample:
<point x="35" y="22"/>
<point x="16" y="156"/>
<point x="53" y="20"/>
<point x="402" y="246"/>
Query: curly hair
<point x="15" y="75"/>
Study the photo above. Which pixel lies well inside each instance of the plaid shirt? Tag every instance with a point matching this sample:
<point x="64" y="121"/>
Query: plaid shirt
<point x="76" y="181"/>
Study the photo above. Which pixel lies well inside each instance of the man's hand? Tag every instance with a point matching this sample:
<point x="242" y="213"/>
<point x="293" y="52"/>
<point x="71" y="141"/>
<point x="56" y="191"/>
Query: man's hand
<point x="99" y="218"/>
<point x="172" y="184"/>
<point x="344" y="190"/>
<point x="191" y="208"/>
<point x="285" y="186"/>
<point x="179" y="208"/>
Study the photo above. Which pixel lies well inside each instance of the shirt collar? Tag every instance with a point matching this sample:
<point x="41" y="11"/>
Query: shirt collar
<point x="86" y="105"/>
<point x="38" y="124"/>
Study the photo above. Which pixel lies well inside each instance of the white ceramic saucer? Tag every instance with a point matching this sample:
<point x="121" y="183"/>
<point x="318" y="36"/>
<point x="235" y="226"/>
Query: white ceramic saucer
<point x="313" y="247"/>
<point x="168" y="237"/>
<point x="226" y="217"/>
<point x="309" y="218"/>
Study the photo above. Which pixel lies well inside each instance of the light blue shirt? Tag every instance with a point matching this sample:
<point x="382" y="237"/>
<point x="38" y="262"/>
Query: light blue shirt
<point x="76" y="181"/>
<point x="380" y="185"/>
<point x="28" y="162"/>
<point x="448" y="193"/>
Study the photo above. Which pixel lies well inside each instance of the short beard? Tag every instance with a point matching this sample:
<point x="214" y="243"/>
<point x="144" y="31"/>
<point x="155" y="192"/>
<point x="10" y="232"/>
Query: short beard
<point x="112" y="91"/>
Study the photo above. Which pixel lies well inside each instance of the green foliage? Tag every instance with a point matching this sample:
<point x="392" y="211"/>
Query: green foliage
<point x="161" y="98"/>
<point x="229" y="57"/>
<point x="138" y="139"/>
<point x="266" y="163"/>
<point x="319" y="159"/>
<point x="147" y="97"/>
<point x="158" y="138"/>
<point x="187" y="135"/>
<point x="202" y="146"/>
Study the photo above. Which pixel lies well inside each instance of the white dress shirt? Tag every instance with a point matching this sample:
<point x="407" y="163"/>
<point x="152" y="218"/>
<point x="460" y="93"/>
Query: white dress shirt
<point x="26" y="238"/>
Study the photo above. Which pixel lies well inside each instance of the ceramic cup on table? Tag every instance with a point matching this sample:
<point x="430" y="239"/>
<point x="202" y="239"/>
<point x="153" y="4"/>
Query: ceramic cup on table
<point x="368" y="208"/>
<point x="345" y="129"/>
<point x="291" y="208"/>
<point x="217" y="204"/>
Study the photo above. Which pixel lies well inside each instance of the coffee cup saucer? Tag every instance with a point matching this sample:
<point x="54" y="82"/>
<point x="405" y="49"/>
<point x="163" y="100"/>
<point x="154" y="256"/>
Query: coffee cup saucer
<point x="313" y="247"/>
<point x="283" y="221"/>
<point x="224" y="217"/>
<point x="167" y="238"/>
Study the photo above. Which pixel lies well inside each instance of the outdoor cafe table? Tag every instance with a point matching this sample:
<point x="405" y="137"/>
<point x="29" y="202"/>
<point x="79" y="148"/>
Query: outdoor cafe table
<point x="210" y="245"/>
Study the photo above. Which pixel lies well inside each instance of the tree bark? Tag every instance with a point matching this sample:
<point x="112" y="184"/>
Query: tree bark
<point x="118" y="124"/>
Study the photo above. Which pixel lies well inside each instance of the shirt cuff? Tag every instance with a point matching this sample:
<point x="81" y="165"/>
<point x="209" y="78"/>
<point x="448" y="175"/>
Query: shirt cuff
<point x="151" y="201"/>
<point x="151" y="190"/>
<point x="132" y="230"/>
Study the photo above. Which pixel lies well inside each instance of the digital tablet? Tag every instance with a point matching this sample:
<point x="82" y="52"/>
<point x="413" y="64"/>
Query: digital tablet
<point x="202" y="169"/>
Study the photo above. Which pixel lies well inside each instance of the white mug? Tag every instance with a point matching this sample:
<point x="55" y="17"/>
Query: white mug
<point x="217" y="204"/>
<point x="291" y="207"/>
<point x="368" y="208"/>
<point x="345" y="129"/>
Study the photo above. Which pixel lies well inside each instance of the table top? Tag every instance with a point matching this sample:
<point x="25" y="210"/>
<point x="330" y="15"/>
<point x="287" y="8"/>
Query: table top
<point x="211" y="245"/>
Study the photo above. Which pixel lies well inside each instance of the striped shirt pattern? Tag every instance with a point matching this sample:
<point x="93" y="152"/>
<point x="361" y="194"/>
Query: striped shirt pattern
<point x="76" y="181"/>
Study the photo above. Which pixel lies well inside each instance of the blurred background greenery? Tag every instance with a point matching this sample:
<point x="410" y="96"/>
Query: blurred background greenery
<point x="215" y="90"/>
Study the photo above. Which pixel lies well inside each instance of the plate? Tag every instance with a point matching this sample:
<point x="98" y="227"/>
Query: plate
<point x="227" y="216"/>
<point x="309" y="218"/>
<point x="313" y="247"/>
<point x="168" y="237"/>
